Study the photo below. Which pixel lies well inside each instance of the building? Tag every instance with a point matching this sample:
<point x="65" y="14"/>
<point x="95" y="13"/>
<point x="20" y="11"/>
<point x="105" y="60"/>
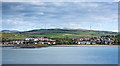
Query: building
<point x="84" y="42"/>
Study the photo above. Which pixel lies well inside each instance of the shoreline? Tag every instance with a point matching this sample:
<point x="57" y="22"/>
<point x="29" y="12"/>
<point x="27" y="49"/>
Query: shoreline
<point x="70" y="46"/>
<point x="86" y="46"/>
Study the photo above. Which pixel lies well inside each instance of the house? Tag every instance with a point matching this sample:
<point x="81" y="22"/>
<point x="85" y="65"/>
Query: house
<point x="79" y="42"/>
<point x="93" y="42"/>
<point x="88" y="43"/>
<point x="27" y="39"/>
<point x="53" y="42"/>
<point x="34" y="39"/>
<point x="6" y="43"/>
<point x="45" y="43"/>
<point x="81" y="39"/>
<point x="17" y="42"/>
<point x="49" y="43"/>
<point x="86" y="39"/>
<point x="106" y="42"/>
<point x="40" y="42"/>
<point x="84" y="42"/>
<point x="29" y="42"/>
<point x="35" y="43"/>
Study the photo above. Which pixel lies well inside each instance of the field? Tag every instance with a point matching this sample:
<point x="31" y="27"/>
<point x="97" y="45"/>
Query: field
<point x="55" y="33"/>
<point x="66" y="33"/>
<point x="13" y="36"/>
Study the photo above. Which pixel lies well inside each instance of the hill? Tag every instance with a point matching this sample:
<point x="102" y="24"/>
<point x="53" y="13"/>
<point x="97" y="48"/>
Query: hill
<point x="62" y="33"/>
<point x="9" y="31"/>
<point x="53" y="33"/>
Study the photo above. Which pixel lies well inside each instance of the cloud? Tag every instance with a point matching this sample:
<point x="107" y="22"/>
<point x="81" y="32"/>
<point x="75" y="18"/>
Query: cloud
<point x="41" y="13"/>
<point x="60" y="0"/>
<point x="64" y="14"/>
<point x="89" y="5"/>
<point x="37" y="3"/>
<point x="115" y="30"/>
<point x="116" y="0"/>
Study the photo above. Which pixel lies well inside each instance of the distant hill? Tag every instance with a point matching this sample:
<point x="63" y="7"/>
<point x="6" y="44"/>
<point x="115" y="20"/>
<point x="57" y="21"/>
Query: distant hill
<point x="9" y="31"/>
<point x="61" y="33"/>
<point x="53" y="33"/>
<point x="72" y="31"/>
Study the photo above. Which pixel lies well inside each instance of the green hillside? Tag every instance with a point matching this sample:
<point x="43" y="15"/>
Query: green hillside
<point x="54" y="33"/>
<point x="63" y="33"/>
<point x="12" y="36"/>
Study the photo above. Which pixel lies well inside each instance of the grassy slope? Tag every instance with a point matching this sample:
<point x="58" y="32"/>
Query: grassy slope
<point x="55" y="33"/>
<point x="13" y="36"/>
<point x="62" y="33"/>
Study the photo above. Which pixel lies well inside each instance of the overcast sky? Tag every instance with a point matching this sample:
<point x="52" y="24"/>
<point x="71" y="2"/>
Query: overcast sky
<point x="25" y="16"/>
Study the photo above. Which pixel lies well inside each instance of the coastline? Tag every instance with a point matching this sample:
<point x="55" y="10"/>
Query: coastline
<point x="86" y="46"/>
<point x="66" y="46"/>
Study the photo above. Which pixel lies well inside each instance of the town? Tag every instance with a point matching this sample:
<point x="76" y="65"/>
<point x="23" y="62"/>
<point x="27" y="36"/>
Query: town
<point x="100" y="40"/>
<point x="96" y="40"/>
<point x="32" y="41"/>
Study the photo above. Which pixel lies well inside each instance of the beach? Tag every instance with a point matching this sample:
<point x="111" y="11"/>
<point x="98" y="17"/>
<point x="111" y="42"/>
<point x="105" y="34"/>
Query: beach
<point x="86" y="45"/>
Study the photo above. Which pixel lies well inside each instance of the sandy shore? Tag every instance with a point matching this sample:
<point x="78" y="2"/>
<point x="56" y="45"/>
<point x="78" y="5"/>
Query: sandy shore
<point x="75" y="46"/>
<point x="86" y="46"/>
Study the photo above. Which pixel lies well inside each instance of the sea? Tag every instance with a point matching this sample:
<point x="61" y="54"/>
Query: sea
<point x="60" y="55"/>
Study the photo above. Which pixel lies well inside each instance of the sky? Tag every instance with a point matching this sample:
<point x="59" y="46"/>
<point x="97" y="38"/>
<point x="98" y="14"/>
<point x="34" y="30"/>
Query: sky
<point x="24" y="16"/>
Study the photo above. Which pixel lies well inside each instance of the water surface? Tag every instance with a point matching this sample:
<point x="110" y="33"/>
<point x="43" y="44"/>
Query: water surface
<point x="61" y="55"/>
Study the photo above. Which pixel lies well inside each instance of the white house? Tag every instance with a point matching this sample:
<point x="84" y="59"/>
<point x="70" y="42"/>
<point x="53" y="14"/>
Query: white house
<point x="84" y="42"/>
